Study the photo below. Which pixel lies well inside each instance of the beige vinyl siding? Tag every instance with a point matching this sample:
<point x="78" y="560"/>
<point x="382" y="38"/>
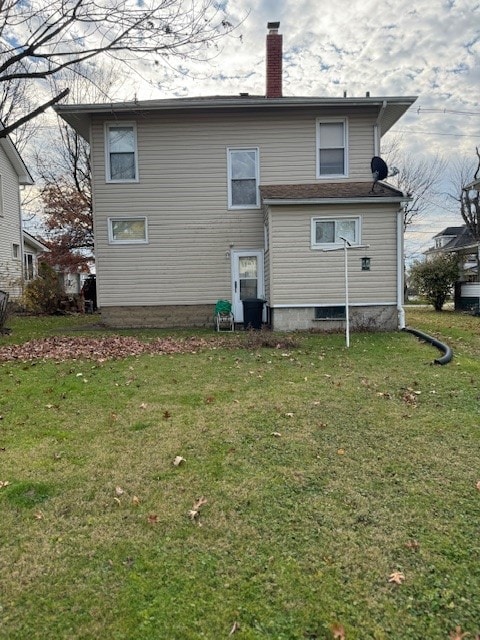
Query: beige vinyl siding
<point x="10" y="231"/>
<point x="303" y="276"/>
<point x="182" y="190"/>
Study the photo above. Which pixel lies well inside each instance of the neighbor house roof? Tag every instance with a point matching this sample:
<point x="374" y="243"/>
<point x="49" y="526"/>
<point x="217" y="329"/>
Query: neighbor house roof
<point x="390" y="109"/>
<point x="461" y="238"/>
<point x="329" y="191"/>
<point x="449" y="231"/>
<point x="12" y="154"/>
<point x="33" y="242"/>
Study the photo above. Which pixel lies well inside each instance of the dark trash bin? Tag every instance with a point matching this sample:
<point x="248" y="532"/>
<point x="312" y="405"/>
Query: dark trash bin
<point x="252" y="313"/>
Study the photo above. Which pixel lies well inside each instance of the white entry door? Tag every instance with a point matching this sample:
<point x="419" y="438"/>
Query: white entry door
<point x="247" y="279"/>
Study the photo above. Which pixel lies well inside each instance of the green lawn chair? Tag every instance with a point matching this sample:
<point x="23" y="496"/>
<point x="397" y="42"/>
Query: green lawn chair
<point x="223" y="316"/>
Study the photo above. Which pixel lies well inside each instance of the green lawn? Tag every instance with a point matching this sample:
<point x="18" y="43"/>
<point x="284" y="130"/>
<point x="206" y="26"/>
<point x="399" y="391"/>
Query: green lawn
<point x="325" y="472"/>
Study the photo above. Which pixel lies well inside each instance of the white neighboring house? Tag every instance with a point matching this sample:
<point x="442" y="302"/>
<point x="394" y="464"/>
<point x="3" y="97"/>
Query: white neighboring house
<point x="18" y="250"/>
<point x="32" y="249"/>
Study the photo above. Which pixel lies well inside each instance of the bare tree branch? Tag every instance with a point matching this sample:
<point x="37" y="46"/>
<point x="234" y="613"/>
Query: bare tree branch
<point x="40" y="40"/>
<point x="33" y="114"/>
<point x="417" y="177"/>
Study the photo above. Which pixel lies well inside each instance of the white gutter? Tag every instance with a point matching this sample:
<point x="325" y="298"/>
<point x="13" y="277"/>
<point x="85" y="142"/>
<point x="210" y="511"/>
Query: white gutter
<point x="400" y="270"/>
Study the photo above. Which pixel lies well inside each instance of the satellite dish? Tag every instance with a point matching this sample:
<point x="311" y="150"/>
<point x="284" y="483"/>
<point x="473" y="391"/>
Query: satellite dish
<point x="379" y="170"/>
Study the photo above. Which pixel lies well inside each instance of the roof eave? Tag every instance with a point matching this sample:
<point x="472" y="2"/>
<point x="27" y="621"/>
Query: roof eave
<point x="313" y="201"/>
<point x="78" y="116"/>
<point x="21" y="170"/>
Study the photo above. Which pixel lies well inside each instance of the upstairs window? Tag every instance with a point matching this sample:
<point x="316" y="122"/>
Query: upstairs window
<point x="330" y="232"/>
<point x="243" y="179"/>
<point x="331" y="148"/>
<point x="121" y="153"/>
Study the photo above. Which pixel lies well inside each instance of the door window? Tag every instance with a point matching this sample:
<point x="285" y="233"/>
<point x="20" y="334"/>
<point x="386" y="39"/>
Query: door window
<point x="248" y="276"/>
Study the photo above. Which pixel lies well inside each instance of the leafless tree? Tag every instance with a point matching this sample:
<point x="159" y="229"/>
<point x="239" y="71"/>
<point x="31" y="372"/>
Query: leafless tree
<point x="39" y="40"/>
<point x="419" y="178"/>
<point x="64" y="175"/>
<point x="464" y="172"/>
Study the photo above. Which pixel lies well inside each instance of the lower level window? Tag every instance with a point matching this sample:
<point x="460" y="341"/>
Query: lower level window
<point x="330" y="313"/>
<point x="331" y="231"/>
<point x="127" y="230"/>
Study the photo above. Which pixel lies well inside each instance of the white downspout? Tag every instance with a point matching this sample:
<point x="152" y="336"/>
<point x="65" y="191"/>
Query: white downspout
<point x="377" y="129"/>
<point x="400" y="270"/>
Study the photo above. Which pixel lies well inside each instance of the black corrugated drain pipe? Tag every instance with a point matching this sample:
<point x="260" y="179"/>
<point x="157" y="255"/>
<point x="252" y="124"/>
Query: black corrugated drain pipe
<point x="444" y="348"/>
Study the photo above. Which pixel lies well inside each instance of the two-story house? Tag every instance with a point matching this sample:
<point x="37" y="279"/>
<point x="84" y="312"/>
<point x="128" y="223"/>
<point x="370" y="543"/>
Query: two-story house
<point x="244" y="196"/>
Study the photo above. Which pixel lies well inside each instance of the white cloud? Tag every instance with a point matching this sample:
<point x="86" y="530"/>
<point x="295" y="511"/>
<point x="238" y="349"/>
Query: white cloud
<point x="430" y="48"/>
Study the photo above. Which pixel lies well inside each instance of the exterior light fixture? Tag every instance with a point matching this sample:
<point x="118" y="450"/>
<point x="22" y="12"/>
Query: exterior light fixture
<point x="366" y="263"/>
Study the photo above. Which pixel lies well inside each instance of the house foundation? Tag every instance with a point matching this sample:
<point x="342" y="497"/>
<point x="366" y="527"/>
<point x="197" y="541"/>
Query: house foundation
<point x="159" y="317"/>
<point x="367" y="318"/>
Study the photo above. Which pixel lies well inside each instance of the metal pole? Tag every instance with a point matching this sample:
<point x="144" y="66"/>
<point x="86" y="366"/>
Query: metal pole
<point x="347" y="315"/>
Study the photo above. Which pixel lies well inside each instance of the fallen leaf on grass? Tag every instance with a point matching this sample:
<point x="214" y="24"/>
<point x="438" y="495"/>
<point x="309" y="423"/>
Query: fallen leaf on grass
<point x="152" y="518"/>
<point x="135" y="500"/>
<point x="458" y="634"/>
<point x="117" y="500"/>
<point x="277" y="434"/>
<point x="338" y="631"/>
<point x="38" y="515"/>
<point x="143" y="405"/>
<point x="119" y="491"/>
<point x="478" y="485"/>
<point x="178" y="461"/>
<point x="384" y="394"/>
<point x="194" y="512"/>
<point x="409" y="397"/>
<point x="166" y="415"/>
<point x="289" y="415"/>
<point x="234" y="629"/>
<point x="413" y="544"/>
<point x="4" y="483"/>
<point x="397" y="577"/>
<point x="341" y="452"/>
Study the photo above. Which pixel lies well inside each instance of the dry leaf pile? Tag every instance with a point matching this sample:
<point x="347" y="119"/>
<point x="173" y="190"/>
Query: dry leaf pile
<point x="60" y="348"/>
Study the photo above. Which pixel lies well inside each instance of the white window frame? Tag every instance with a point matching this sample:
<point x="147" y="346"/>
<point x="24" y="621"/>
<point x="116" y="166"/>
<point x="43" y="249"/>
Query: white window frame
<point x="28" y="256"/>
<point x="328" y="176"/>
<point x="113" y="240"/>
<point x="16" y="253"/>
<point x="230" y="152"/>
<point x="335" y="219"/>
<point x="108" y="171"/>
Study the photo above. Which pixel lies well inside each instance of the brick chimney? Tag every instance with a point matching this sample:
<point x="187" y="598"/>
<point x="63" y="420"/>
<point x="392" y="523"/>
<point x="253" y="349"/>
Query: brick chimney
<point x="274" y="61"/>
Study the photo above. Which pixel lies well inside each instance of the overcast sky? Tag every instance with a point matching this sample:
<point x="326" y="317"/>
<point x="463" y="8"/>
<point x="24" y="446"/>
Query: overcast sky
<point x="427" y="48"/>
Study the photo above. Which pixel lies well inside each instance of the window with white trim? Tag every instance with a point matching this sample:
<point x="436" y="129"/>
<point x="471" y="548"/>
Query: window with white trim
<point x="328" y="232"/>
<point x="127" y="230"/>
<point x="121" y="152"/>
<point x="29" y="264"/>
<point x="16" y="251"/>
<point x="243" y="178"/>
<point x="332" y="156"/>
